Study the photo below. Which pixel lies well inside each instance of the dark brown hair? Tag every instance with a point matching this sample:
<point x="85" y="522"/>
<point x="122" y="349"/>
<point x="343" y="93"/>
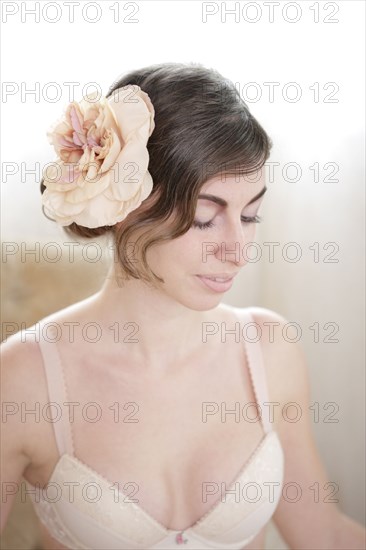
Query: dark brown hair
<point x="203" y="128"/>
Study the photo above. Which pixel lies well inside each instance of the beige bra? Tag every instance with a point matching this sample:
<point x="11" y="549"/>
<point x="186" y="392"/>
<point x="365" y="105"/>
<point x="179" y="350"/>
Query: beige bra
<point x="82" y="510"/>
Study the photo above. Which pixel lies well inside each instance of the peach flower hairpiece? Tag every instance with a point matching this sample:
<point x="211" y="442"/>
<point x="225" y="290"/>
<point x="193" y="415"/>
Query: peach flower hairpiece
<point x="101" y="173"/>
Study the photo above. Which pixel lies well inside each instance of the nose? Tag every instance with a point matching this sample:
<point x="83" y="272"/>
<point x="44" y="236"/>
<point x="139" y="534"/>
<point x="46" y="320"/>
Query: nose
<point x="232" y="245"/>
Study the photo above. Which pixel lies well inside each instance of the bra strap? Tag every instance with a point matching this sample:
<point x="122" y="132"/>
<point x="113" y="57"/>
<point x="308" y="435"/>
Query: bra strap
<point x="56" y="385"/>
<point x="253" y="351"/>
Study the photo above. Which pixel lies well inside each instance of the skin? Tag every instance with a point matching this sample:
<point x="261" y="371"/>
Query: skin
<point x="177" y="373"/>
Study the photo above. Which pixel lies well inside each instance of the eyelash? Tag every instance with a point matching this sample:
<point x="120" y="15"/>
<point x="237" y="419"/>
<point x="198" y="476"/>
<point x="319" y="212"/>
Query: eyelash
<point x="244" y="219"/>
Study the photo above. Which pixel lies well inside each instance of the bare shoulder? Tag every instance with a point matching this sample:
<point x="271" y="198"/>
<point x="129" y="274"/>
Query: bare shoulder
<point x="23" y="377"/>
<point x="21" y="352"/>
<point x="283" y="354"/>
<point x="21" y="363"/>
<point x="23" y="387"/>
<point x="81" y="311"/>
<point x="23" y="395"/>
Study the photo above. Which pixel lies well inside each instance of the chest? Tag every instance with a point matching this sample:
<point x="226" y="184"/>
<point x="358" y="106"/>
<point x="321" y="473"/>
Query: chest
<point x="165" y="437"/>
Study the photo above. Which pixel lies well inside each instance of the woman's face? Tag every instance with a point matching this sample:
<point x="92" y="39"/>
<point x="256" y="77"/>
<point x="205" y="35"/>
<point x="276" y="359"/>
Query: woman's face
<point x="218" y="250"/>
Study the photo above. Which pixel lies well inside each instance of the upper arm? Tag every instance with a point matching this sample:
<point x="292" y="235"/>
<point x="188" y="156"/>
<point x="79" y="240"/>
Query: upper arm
<point x="16" y="384"/>
<point x="307" y="510"/>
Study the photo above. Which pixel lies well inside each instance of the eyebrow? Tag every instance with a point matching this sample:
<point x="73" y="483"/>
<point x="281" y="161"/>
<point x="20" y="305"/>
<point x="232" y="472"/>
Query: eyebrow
<point x="222" y="202"/>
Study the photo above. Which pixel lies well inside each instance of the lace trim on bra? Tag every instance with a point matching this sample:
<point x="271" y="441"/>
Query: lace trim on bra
<point x="47" y="514"/>
<point x="265" y="467"/>
<point x="222" y="516"/>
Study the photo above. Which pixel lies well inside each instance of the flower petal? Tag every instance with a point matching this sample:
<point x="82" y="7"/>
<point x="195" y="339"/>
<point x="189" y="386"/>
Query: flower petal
<point x="101" y="173"/>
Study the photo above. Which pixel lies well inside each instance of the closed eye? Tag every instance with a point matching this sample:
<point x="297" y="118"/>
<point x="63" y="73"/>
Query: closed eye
<point x="244" y="219"/>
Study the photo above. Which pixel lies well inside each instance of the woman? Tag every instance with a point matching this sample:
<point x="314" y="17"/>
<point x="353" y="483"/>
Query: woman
<point x="140" y="446"/>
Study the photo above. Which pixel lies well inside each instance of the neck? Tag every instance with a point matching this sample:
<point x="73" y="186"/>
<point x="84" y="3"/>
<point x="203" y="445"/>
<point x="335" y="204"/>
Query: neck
<point x="162" y="332"/>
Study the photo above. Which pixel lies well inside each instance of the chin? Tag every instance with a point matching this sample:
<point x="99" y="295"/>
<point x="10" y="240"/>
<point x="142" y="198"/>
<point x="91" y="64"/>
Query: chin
<point x="201" y="302"/>
<point x="193" y="297"/>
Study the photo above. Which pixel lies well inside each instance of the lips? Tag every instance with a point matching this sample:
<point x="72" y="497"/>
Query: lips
<point x="221" y="278"/>
<point x="217" y="284"/>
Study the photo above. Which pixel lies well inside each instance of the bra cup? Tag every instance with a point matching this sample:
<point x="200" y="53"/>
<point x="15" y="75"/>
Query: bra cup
<point x="83" y="510"/>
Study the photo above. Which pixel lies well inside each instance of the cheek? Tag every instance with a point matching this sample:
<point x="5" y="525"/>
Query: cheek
<point x="195" y="243"/>
<point x="187" y="248"/>
<point x="182" y="251"/>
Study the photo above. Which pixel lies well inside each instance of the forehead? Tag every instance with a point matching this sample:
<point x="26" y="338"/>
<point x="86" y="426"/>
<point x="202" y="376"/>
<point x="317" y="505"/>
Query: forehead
<point x="236" y="186"/>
